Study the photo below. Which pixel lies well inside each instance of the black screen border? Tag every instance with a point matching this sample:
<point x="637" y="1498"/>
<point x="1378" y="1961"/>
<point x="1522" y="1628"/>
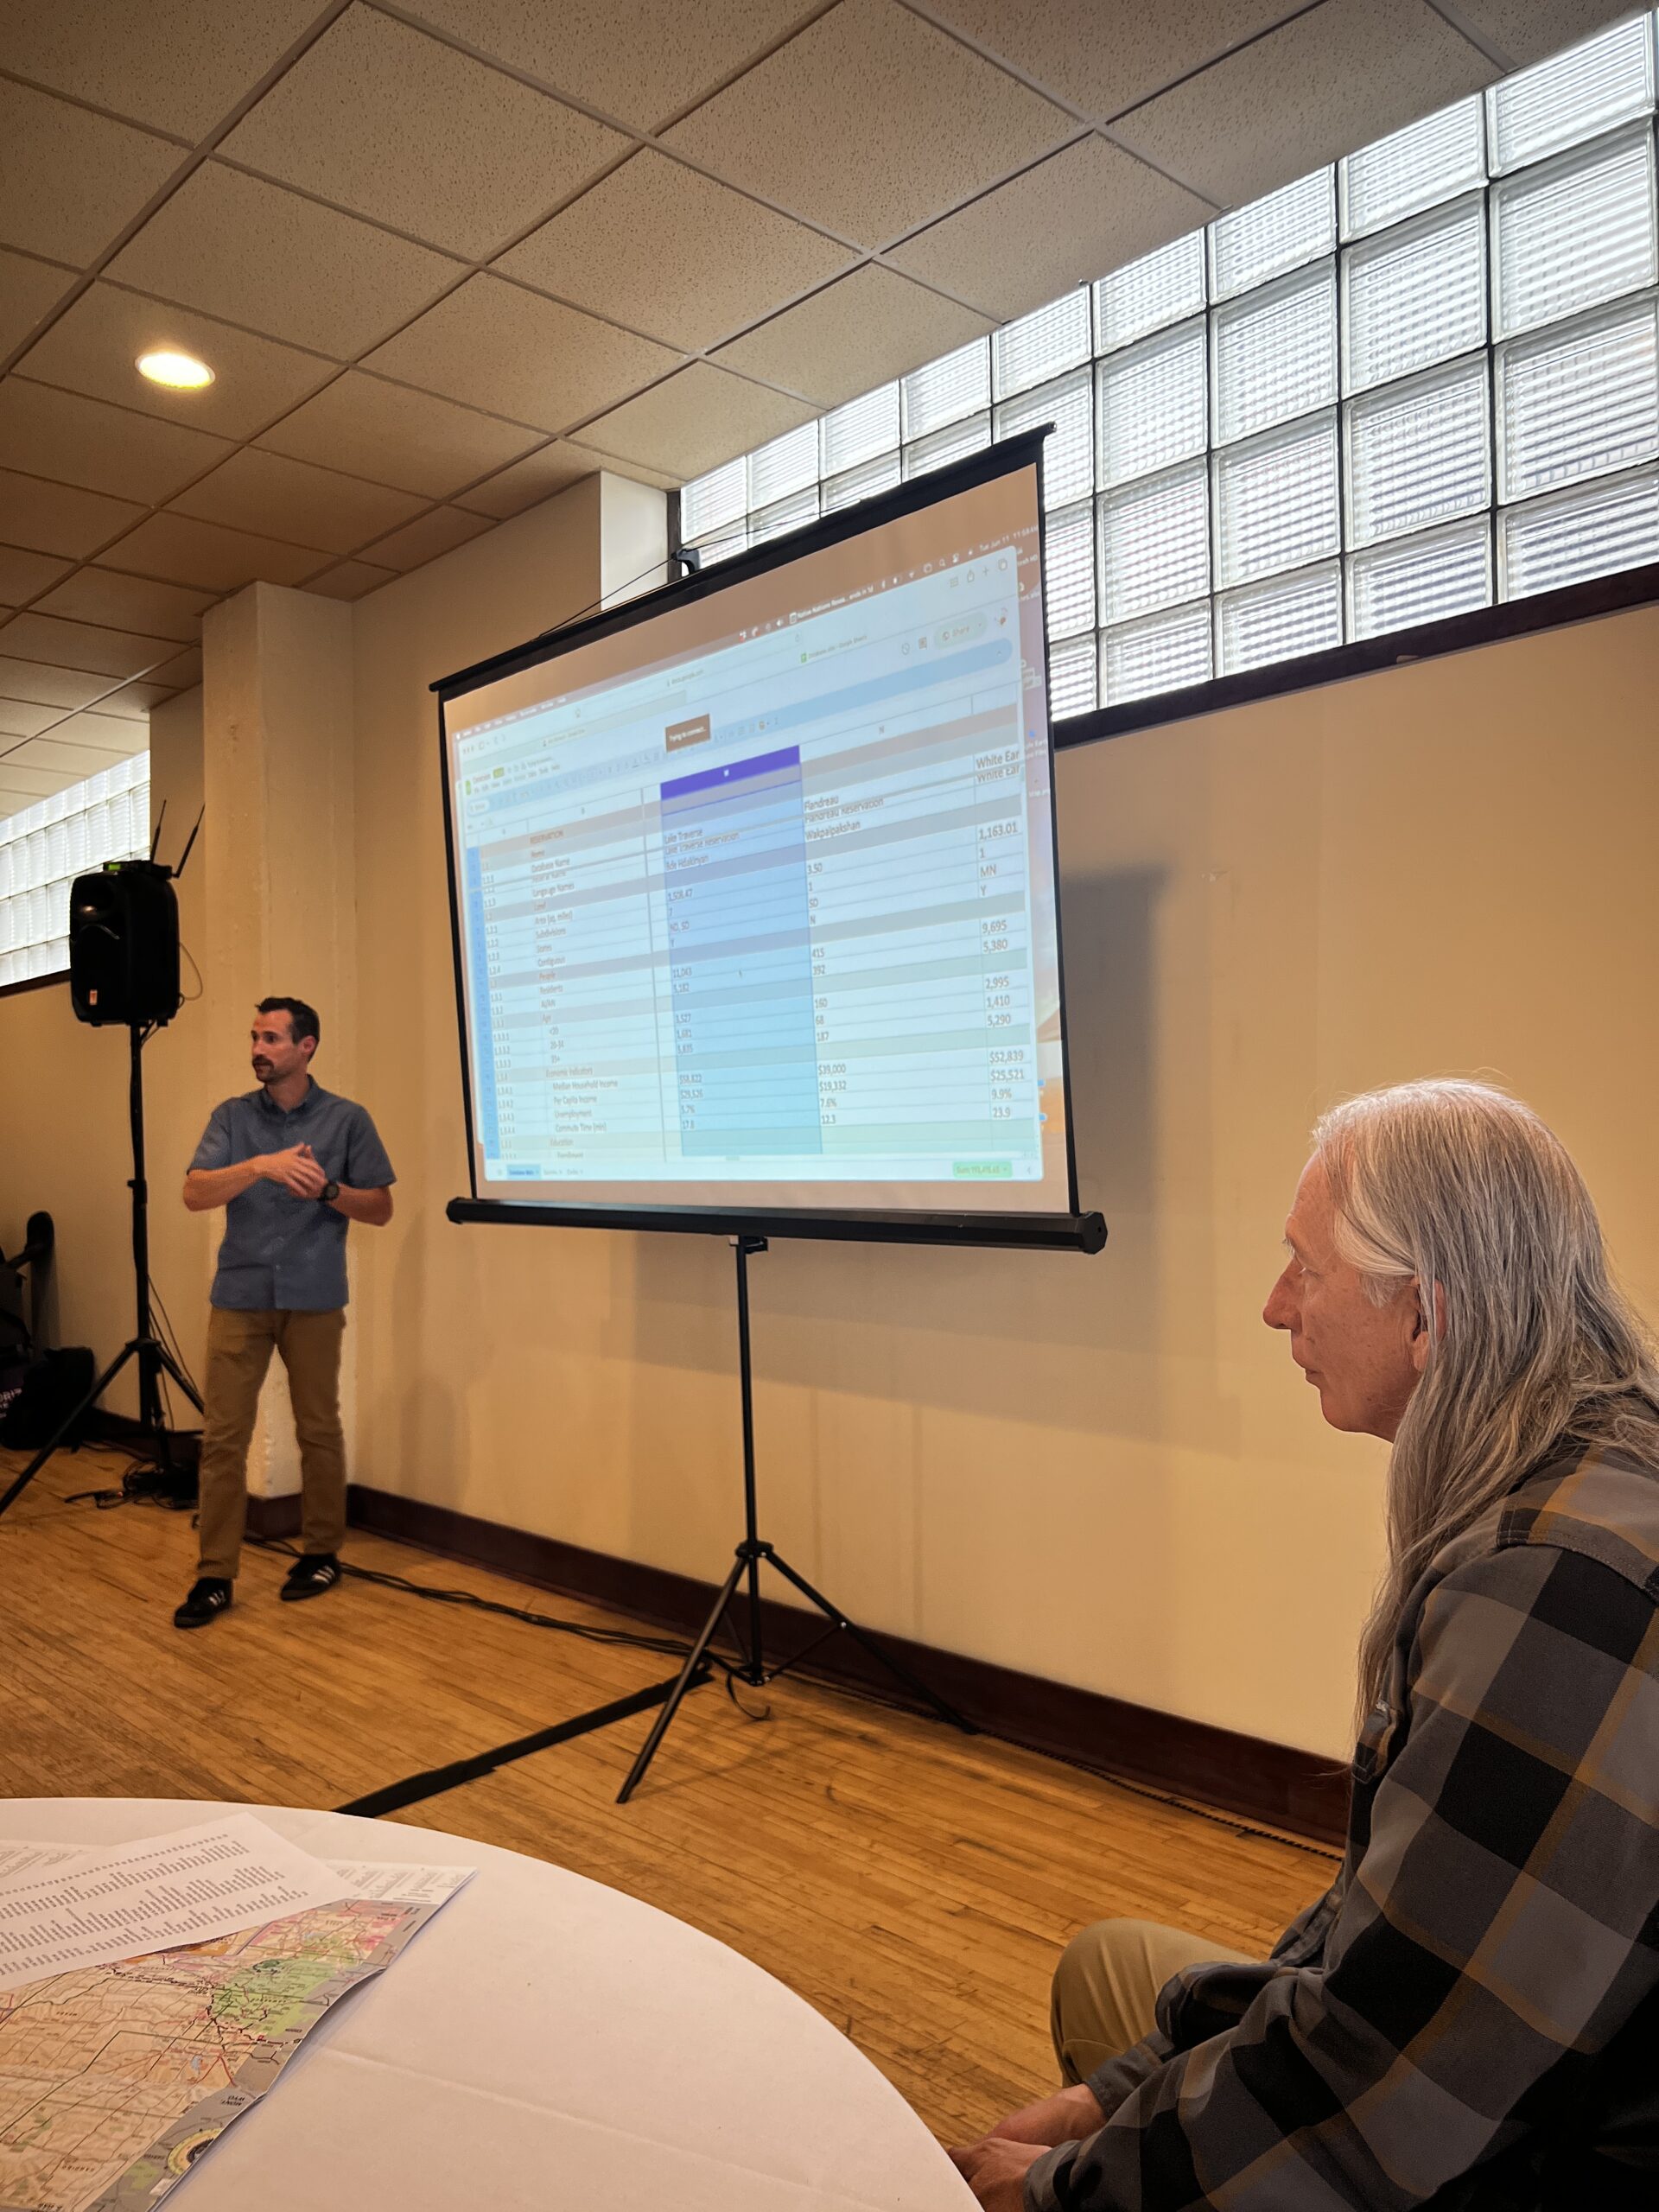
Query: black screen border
<point x="1068" y="1231"/>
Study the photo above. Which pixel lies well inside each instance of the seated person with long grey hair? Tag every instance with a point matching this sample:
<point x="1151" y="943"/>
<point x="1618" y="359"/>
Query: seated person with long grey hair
<point x="1470" y="2018"/>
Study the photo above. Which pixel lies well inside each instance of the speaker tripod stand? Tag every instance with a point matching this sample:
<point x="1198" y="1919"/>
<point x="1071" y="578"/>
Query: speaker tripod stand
<point x="752" y="1554"/>
<point x="153" y="1357"/>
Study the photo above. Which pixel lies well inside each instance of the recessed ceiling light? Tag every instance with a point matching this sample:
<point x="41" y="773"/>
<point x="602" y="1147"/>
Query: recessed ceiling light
<point x="180" y="372"/>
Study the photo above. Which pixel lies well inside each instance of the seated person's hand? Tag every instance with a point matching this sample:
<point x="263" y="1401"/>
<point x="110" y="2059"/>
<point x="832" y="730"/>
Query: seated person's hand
<point x="995" y="2170"/>
<point x="1066" y="2117"/>
<point x="995" y="2167"/>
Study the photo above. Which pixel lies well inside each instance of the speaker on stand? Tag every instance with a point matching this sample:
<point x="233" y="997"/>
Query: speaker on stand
<point x="124" y="973"/>
<point x="123" y="946"/>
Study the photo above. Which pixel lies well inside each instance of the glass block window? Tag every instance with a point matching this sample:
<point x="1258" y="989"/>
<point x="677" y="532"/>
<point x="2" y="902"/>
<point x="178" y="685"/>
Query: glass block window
<point x="1275" y="354"/>
<point x="1397" y="389"/>
<point x="1414" y="294"/>
<point x="43" y="849"/>
<point x="1152" y="405"/>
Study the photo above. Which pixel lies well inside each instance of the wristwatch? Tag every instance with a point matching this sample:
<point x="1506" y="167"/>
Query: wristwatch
<point x="327" y="1195"/>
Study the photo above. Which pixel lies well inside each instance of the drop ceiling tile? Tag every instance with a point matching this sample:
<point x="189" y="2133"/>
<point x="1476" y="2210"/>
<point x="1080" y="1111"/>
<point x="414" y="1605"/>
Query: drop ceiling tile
<point x="275" y="497"/>
<point x="694" y="420"/>
<point x="859" y="332"/>
<point x="668" y="249"/>
<point x="82" y="645"/>
<point x="529" y="481"/>
<point x="181" y="551"/>
<point x="380" y="119"/>
<point x="19" y="718"/>
<point x="179" y="65"/>
<point x="94" y="347"/>
<point x="45" y="683"/>
<point x="111" y="734"/>
<point x="133" y="702"/>
<point x="870" y="123"/>
<point x="29" y="290"/>
<point x="1063" y="46"/>
<point x="1081" y="212"/>
<point x="492" y="345"/>
<point x="21" y="787"/>
<point x="351" y="580"/>
<point x="129" y="603"/>
<point x="57" y="519"/>
<point x="410" y="439"/>
<point x="1336" y="78"/>
<point x="70" y="181"/>
<point x="417" y="543"/>
<point x="238" y="247"/>
<point x="181" y="674"/>
<point x="636" y="471"/>
<point x="1527" y="32"/>
<point x="99" y="448"/>
<point x="51" y="755"/>
<point x="644" y="61"/>
<point x="22" y="575"/>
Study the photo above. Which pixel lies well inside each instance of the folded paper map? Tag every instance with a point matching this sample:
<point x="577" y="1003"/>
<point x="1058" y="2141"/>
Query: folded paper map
<point x="116" y="2078"/>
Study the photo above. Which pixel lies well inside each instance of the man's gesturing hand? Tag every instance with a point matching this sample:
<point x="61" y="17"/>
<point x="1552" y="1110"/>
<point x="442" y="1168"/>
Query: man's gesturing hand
<point x="295" y="1170"/>
<point x="995" y="2170"/>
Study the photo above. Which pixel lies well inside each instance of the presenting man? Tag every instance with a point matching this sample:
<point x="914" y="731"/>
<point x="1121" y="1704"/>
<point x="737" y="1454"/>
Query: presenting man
<point x="292" y="1165"/>
<point x="1469" y="2019"/>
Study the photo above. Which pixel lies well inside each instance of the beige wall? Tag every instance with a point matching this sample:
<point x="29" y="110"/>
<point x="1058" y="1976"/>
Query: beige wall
<point x="1103" y="1471"/>
<point x="64" y="1141"/>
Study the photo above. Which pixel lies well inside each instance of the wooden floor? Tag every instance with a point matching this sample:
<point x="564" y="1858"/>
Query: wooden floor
<point x="914" y="1886"/>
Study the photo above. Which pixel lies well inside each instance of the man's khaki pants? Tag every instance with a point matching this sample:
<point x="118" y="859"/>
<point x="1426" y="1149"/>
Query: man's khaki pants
<point x="1106" y="1986"/>
<point x="239" y="1346"/>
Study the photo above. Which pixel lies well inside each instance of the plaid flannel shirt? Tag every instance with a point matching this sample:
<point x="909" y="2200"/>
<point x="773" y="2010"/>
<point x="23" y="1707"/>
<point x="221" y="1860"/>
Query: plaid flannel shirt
<point x="1469" y="2019"/>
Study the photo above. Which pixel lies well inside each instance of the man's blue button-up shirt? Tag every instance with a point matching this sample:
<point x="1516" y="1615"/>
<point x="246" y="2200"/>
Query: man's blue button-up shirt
<point x="280" y="1252"/>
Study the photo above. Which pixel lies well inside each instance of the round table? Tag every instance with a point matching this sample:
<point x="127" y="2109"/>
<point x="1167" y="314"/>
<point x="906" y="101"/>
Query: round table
<point x="549" y="2044"/>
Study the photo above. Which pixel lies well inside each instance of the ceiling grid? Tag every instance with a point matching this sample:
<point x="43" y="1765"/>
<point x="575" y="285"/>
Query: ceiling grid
<point x="447" y="257"/>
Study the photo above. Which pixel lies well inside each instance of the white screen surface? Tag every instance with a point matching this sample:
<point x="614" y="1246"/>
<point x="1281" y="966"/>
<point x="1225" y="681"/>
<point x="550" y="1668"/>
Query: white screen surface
<point x="755" y="897"/>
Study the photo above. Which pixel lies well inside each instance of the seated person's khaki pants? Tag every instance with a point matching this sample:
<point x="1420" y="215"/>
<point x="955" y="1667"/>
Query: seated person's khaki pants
<point x="1106" y="1986"/>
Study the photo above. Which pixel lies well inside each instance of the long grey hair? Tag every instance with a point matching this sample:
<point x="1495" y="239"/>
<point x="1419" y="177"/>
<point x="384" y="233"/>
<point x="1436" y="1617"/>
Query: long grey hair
<point x="1457" y="1186"/>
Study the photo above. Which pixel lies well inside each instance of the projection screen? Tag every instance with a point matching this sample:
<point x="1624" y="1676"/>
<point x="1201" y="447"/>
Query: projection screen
<point x="754" y="888"/>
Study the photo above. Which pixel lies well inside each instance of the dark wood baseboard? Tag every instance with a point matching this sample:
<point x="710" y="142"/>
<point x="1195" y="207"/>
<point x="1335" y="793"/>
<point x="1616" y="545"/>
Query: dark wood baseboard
<point x="274" y="1516"/>
<point x="1242" y="1774"/>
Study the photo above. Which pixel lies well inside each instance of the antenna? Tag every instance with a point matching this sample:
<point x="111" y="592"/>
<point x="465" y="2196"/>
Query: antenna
<point x="155" y="838"/>
<point x="188" y="842"/>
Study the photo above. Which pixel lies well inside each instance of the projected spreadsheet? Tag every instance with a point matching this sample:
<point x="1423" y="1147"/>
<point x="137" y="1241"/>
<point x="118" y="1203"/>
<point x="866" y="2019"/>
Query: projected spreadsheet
<point x="764" y="914"/>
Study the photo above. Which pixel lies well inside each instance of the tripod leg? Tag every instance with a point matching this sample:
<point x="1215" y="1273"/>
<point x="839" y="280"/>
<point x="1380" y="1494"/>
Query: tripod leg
<point x="894" y="1667"/>
<point x="694" y="1661"/>
<point x="126" y="1352"/>
<point x="173" y="1368"/>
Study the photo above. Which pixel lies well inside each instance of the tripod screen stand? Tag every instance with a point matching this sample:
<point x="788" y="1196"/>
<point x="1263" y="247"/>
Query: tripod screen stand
<point x="153" y="1357"/>
<point x="747" y="1632"/>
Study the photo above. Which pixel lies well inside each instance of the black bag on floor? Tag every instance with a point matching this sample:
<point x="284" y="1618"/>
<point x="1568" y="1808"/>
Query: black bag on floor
<point x="54" y="1387"/>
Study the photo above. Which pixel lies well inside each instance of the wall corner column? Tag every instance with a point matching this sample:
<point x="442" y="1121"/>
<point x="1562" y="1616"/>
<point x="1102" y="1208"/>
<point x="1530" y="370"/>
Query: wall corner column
<point x="278" y="747"/>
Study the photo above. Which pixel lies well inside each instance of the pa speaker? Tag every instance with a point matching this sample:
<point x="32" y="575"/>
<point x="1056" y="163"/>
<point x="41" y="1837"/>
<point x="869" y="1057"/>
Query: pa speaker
<point x="124" y="945"/>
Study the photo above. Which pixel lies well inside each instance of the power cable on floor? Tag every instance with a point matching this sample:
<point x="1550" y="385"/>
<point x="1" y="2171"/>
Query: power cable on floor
<point x="663" y="1646"/>
<point x="668" y="1648"/>
<point x="671" y="1648"/>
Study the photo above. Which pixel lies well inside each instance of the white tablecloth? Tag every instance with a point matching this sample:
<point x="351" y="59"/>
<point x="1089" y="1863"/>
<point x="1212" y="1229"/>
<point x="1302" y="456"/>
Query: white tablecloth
<point x="549" y="2044"/>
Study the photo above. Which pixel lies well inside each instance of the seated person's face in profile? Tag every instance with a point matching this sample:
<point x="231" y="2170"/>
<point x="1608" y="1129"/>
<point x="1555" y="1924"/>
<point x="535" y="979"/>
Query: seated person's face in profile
<point x="1363" y="1358"/>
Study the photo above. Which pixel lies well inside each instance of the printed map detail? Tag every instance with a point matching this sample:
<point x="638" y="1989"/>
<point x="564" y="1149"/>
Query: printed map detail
<point x="114" y="2080"/>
